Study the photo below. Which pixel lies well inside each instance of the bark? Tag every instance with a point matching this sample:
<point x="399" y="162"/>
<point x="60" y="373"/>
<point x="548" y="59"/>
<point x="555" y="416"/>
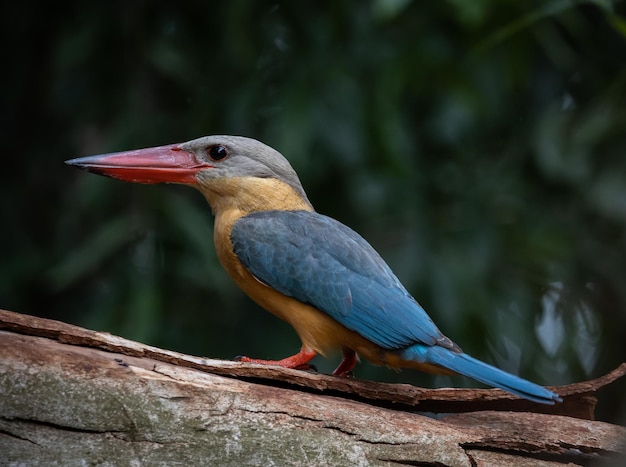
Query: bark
<point x="70" y="396"/>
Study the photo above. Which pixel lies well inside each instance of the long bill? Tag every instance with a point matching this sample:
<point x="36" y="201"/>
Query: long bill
<point x="169" y="164"/>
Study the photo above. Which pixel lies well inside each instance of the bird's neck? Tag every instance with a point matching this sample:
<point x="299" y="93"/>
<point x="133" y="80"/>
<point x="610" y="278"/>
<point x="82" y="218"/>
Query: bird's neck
<point x="234" y="198"/>
<point x="246" y="195"/>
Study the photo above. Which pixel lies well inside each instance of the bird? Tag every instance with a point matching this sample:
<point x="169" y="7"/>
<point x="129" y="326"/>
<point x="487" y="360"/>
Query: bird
<point x="308" y="269"/>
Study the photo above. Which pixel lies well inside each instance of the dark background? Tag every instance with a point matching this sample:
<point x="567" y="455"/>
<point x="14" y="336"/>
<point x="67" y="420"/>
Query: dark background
<point x="479" y="146"/>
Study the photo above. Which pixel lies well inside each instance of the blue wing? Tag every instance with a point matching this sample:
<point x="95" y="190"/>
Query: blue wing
<point x="321" y="262"/>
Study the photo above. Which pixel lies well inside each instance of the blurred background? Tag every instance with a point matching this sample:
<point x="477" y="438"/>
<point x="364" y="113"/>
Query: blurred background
<point x="479" y="146"/>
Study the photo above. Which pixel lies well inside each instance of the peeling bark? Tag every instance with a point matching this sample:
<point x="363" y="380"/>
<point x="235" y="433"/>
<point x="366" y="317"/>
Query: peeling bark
<point x="72" y="396"/>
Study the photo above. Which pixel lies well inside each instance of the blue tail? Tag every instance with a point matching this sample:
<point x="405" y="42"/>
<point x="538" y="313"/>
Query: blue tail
<point x="468" y="366"/>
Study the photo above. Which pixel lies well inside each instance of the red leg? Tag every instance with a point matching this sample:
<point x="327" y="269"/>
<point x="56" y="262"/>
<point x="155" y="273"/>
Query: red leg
<point x="347" y="363"/>
<point x="299" y="360"/>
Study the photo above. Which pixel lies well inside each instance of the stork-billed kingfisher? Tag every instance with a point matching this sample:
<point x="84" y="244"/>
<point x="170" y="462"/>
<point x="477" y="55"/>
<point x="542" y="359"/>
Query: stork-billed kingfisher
<point x="308" y="269"/>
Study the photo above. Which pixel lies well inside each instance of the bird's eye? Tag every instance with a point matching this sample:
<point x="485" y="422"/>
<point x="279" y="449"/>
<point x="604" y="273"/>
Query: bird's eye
<point x="217" y="153"/>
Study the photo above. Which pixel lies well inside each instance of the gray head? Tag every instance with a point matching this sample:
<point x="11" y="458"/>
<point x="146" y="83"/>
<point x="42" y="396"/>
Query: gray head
<point x="238" y="156"/>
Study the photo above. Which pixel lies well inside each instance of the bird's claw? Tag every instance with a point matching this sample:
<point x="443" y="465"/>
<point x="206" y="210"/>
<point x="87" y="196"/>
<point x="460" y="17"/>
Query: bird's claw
<point x="307" y="367"/>
<point x="302" y="367"/>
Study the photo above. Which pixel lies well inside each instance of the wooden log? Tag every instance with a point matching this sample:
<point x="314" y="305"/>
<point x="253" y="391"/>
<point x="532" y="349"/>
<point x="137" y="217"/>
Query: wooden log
<point x="71" y="396"/>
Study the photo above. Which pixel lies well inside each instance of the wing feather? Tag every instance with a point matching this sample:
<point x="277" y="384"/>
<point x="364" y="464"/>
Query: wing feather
<point x="321" y="262"/>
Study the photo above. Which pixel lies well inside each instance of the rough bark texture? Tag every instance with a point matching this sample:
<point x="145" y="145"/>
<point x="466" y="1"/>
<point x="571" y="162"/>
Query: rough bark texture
<point x="69" y="396"/>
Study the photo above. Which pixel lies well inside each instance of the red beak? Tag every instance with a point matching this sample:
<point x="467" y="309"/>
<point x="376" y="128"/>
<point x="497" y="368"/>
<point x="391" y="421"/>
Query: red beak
<point x="152" y="165"/>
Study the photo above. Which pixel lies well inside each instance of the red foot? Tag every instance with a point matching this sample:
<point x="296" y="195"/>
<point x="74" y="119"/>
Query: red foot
<point x="347" y="363"/>
<point x="299" y="360"/>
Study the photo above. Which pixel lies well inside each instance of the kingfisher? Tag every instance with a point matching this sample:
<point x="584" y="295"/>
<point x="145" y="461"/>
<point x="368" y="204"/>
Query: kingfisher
<point x="308" y="269"/>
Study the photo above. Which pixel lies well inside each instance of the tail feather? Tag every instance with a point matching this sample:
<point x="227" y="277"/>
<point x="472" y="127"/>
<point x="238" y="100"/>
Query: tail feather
<point x="472" y="368"/>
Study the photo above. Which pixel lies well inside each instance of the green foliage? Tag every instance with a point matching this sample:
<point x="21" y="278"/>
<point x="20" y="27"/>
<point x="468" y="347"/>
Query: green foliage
<point x="478" y="145"/>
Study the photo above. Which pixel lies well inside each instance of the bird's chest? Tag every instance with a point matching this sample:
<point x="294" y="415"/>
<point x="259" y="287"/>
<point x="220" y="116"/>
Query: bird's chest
<point x="224" y="246"/>
<point x="259" y="292"/>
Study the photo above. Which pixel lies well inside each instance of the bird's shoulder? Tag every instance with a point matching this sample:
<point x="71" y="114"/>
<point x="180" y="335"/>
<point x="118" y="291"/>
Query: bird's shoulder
<point x="307" y="236"/>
